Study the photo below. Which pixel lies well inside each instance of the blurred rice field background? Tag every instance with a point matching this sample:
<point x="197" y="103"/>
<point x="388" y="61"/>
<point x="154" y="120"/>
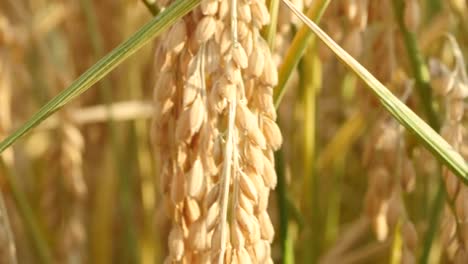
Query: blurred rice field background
<point x="354" y="186"/>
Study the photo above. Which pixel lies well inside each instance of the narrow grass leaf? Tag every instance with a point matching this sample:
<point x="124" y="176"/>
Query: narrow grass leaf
<point x="433" y="141"/>
<point x="99" y="70"/>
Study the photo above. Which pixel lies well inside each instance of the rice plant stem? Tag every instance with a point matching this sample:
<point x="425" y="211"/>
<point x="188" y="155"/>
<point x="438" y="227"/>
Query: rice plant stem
<point x="106" y="95"/>
<point x="150" y="246"/>
<point x="287" y="252"/>
<point x="92" y="25"/>
<point x="271" y="29"/>
<point x="334" y="201"/>
<point x="419" y="68"/>
<point x="421" y="75"/>
<point x="434" y="217"/>
<point x="397" y="244"/>
<point x="296" y="50"/>
<point x="6" y="229"/>
<point x="27" y="214"/>
<point x="310" y="69"/>
<point x="433" y="7"/>
<point x="152" y="29"/>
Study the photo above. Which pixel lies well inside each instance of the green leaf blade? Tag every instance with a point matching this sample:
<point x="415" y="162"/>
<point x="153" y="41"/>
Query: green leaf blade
<point x="99" y="70"/>
<point x="431" y="139"/>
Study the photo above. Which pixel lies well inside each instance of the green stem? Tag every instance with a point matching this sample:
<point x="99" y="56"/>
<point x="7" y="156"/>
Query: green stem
<point x="433" y="7"/>
<point x="430" y="139"/>
<point x="437" y="206"/>
<point x="27" y="214"/>
<point x="421" y="75"/>
<point x="397" y="244"/>
<point x="310" y="81"/>
<point x="150" y="246"/>
<point x="106" y="95"/>
<point x="422" y="78"/>
<point x="332" y="221"/>
<point x="296" y="50"/>
<point x="419" y="67"/>
<point x="8" y="239"/>
<point x="126" y="187"/>
<point x="271" y="29"/>
<point x="283" y="208"/>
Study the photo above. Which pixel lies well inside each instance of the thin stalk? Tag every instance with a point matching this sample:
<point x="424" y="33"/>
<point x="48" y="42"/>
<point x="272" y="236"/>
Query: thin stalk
<point x="434" y="218"/>
<point x="433" y="7"/>
<point x="149" y="31"/>
<point x="311" y="81"/>
<point x="419" y="67"/>
<point x="289" y="248"/>
<point x="294" y="213"/>
<point x="299" y="44"/>
<point x="272" y="27"/>
<point x="129" y="239"/>
<point x="422" y="78"/>
<point x="106" y="96"/>
<point x="95" y="37"/>
<point x="334" y="200"/>
<point x="283" y="208"/>
<point x="104" y="204"/>
<point x="405" y="116"/>
<point x="9" y="254"/>
<point x="149" y="245"/>
<point x="27" y="214"/>
<point x="397" y="245"/>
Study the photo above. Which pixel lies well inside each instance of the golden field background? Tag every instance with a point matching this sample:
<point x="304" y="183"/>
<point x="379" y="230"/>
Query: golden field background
<point x="353" y="185"/>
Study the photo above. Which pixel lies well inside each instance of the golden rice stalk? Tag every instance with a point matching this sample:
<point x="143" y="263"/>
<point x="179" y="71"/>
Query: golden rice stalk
<point x="7" y="244"/>
<point x="453" y="87"/>
<point x="215" y="134"/>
